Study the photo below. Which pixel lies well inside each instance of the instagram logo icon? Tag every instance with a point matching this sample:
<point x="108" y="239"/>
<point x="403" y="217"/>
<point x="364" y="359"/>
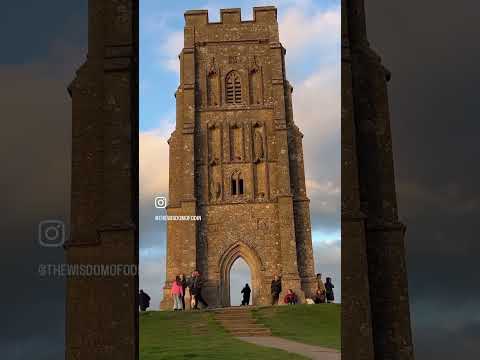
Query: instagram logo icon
<point x="160" y="202"/>
<point x="51" y="233"/>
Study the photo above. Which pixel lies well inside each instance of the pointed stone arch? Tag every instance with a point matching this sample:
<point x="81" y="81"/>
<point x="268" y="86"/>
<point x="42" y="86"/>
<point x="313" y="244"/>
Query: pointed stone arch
<point x="253" y="260"/>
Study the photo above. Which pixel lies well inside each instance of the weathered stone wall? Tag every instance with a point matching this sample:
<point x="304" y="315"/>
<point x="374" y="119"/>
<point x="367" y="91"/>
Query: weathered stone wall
<point x="256" y="226"/>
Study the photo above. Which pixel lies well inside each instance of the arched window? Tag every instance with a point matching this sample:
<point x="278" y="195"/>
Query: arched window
<point x="237" y="184"/>
<point x="233" y="88"/>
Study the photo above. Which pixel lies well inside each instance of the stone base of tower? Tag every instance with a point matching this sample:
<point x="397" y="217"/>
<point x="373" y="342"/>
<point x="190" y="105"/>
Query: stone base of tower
<point x="295" y="285"/>
<point x="167" y="300"/>
<point x="309" y="286"/>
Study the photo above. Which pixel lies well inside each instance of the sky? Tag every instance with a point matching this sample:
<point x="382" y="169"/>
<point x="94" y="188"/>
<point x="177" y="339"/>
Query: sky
<point x="432" y="51"/>
<point x="310" y="31"/>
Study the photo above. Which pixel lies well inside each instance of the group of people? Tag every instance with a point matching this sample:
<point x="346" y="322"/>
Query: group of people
<point x="276" y="288"/>
<point x="323" y="293"/>
<point x="180" y="285"/>
<point x="194" y="285"/>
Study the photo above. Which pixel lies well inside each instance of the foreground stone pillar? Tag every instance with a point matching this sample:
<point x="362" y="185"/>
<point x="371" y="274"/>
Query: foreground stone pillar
<point x="102" y="311"/>
<point x="375" y="316"/>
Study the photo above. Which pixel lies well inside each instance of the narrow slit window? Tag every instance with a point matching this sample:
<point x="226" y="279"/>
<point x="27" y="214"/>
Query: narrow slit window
<point x="234" y="187"/>
<point x="240" y="186"/>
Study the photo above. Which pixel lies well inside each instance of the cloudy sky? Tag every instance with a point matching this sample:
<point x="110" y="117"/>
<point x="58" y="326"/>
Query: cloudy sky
<point x="310" y="31"/>
<point x="433" y="53"/>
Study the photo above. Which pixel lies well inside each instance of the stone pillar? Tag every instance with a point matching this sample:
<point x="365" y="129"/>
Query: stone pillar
<point x="376" y="224"/>
<point x="290" y="276"/>
<point x="182" y="236"/>
<point x="102" y="312"/>
<point x="288" y="245"/>
<point x="357" y="337"/>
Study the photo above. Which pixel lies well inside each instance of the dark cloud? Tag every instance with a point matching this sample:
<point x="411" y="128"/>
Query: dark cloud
<point x="431" y="50"/>
<point x="45" y="43"/>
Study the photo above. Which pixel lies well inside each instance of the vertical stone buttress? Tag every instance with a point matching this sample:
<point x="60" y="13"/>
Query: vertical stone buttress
<point x="367" y="153"/>
<point x="101" y="312"/>
<point x="182" y="240"/>
<point x="288" y="244"/>
<point x="236" y="159"/>
<point x="301" y="203"/>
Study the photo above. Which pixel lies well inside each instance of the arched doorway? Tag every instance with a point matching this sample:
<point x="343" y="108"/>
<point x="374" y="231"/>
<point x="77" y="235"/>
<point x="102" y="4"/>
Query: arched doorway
<point x="240" y="274"/>
<point x="252" y="260"/>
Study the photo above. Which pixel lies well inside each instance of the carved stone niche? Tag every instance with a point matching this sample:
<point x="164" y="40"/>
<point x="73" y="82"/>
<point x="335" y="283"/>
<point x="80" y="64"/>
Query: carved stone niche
<point x="213" y="83"/>
<point x="259" y="142"/>
<point x="214" y="134"/>
<point x="255" y="82"/>
<point x="237" y="148"/>
<point x="260" y="170"/>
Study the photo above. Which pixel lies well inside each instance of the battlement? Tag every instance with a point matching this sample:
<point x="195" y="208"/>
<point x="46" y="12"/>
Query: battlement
<point x="261" y="14"/>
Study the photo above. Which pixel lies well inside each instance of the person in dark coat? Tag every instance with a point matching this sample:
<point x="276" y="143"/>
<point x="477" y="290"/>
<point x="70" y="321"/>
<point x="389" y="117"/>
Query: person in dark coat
<point x="246" y="295"/>
<point x="329" y="290"/>
<point x="183" y="280"/>
<point x="196" y="290"/>
<point x="143" y="300"/>
<point x="276" y="289"/>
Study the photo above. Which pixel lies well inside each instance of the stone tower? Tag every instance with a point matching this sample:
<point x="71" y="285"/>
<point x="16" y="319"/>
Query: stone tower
<point x="236" y="160"/>
<point x="375" y="307"/>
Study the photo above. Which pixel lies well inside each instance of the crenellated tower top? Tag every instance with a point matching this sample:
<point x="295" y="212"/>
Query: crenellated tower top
<point x="261" y="14"/>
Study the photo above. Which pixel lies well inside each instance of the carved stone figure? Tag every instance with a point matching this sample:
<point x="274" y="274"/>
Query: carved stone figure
<point x="258" y="146"/>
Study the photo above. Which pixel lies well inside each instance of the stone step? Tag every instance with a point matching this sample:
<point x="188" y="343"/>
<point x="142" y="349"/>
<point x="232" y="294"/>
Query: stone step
<point x="246" y="311"/>
<point x="252" y="330"/>
<point x="236" y="322"/>
<point x="232" y="311"/>
<point x="251" y="333"/>
<point x="245" y="326"/>
<point x="233" y="316"/>
<point x="240" y="322"/>
<point x="237" y="313"/>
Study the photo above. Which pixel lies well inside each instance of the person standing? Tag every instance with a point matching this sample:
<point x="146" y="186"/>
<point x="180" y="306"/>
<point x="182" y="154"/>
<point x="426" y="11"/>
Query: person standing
<point x="320" y="288"/>
<point x="197" y="290"/>
<point x="143" y="300"/>
<point x="183" y="280"/>
<point x="177" y="293"/>
<point x="276" y="289"/>
<point x="329" y="290"/>
<point x="246" y="295"/>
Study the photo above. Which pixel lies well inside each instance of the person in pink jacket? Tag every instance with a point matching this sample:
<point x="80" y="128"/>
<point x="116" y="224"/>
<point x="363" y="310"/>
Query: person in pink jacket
<point x="177" y="294"/>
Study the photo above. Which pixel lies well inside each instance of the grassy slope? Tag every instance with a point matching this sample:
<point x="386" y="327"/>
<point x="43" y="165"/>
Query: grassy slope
<point x="310" y="324"/>
<point x="195" y="335"/>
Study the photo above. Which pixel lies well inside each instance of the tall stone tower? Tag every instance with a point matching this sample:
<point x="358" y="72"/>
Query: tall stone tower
<point x="236" y="160"/>
<point x="375" y="307"/>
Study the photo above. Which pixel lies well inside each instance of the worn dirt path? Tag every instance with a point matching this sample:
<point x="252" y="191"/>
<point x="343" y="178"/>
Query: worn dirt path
<point x="310" y="351"/>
